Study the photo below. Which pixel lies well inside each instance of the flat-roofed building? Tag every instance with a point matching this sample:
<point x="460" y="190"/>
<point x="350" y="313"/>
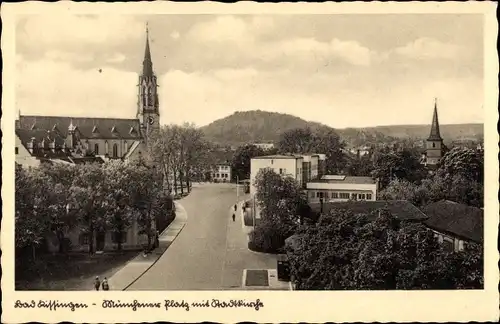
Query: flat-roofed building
<point x="337" y="188"/>
<point x="285" y="165"/>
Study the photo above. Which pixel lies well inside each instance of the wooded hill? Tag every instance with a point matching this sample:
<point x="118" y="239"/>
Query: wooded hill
<point x="261" y="126"/>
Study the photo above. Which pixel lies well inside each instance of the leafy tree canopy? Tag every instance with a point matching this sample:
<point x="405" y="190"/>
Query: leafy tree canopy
<point x="372" y="252"/>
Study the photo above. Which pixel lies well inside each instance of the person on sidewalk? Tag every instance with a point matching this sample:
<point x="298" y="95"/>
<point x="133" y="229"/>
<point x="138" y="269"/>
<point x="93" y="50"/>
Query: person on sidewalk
<point x="97" y="283"/>
<point x="235" y="207"/>
<point x="105" y="284"/>
<point x="234" y="217"/>
<point x="157" y="239"/>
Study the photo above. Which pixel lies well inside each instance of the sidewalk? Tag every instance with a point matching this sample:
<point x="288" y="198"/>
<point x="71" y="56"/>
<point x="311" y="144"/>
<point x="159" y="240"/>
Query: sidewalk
<point x="240" y="260"/>
<point x="134" y="269"/>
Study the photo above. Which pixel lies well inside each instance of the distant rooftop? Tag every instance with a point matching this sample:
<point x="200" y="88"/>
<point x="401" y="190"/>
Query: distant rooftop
<point x="401" y="209"/>
<point x="277" y="156"/>
<point x="345" y="179"/>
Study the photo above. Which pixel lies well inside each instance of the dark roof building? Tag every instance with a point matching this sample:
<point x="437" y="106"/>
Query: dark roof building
<point x="458" y="220"/>
<point x="83" y="138"/>
<point x="401" y="209"/>
<point x="88" y="127"/>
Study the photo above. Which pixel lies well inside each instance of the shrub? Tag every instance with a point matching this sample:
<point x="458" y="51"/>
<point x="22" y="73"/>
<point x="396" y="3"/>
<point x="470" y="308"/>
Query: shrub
<point x="268" y="238"/>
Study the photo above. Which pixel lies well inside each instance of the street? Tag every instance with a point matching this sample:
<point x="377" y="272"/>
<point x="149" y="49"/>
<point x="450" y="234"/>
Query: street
<point x="211" y="251"/>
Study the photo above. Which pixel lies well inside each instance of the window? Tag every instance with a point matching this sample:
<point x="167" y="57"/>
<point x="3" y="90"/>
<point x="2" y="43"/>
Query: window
<point x="361" y="196"/>
<point x="448" y="244"/>
<point x="281" y="171"/>
<point x="84" y="239"/>
<point x="433" y="145"/>
<point x="312" y="194"/>
<point x="369" y="196"/>
<point x="344" y="195"/>
<point x="317" y="194"/>
<point x="326" y="194"/>
<point x="17" y="150"/>
<point x="96" y="148"/>
<point x="115" y="150"/>
<point x="354" y="196"/>
<point x="335" y="195"/>
<point x="217" y="175"/>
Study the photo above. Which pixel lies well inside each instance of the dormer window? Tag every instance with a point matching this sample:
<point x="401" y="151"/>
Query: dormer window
<point x="33" y="126"/>
<point x="95" y="130"/>
<point x="113" y="130"/>
<point x="132" y="130"/>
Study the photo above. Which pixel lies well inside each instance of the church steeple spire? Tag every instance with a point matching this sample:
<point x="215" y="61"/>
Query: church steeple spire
<point x="147" y="64"/>
<point x="435" y="134"/>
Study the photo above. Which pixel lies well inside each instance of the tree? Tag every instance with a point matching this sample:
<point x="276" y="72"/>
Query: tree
<point x="325" y="141"/>
<point x="281" y="202"/>
<point x="404" y="164"/>
<point x="119" y="178"/>
<point x="31" y="222"/>
<point x="241" y="160"/>
<point x="59" y="178"/>
<point x="465" y="162"/>
<point x="88" y="201"/>
<point x="361" y="167"/>
<point x="145" y="188"/>
<point x="376" y="251"/>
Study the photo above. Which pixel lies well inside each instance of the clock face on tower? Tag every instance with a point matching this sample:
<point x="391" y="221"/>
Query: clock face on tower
<point x="151" y="120"/>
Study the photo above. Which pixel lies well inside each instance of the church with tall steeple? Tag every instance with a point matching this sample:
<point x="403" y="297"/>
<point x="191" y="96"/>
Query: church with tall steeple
<point x="69" y="138"/>
<point x="434" y="146"/>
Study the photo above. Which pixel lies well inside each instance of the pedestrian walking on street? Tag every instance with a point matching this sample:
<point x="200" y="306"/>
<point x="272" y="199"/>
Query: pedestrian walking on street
<point x="235" y="207"/>
<point x="97" y="283"/>
<point x="105" y="285"/>
<point x="234" y="217"/>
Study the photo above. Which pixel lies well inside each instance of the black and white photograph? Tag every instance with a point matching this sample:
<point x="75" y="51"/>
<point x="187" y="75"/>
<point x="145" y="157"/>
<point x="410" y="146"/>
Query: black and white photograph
<point x="250" y="152"/>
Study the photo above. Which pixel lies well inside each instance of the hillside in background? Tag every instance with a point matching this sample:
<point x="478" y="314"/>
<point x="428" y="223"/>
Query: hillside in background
<point x="261" y="126"/>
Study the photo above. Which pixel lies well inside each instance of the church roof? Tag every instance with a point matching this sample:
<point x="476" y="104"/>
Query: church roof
<point x="435" y="134"/>
<point x="87" y="127"/>
<point x="25" y="135"/>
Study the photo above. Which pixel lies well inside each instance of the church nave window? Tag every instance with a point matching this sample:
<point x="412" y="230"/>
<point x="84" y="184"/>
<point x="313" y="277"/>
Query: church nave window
<point x="115" y="150"/>
<point x="96" y="148"/>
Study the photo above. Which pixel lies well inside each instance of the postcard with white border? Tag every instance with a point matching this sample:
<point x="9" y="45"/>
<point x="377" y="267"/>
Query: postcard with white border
<point x="285" y="162"/>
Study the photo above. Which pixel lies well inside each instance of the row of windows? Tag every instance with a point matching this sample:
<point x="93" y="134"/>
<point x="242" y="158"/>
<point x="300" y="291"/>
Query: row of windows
<point x="223" y="167"/>
<point x="115" y="149"/>
<point x="221" y="175"/>
<point x="341" y="195"/>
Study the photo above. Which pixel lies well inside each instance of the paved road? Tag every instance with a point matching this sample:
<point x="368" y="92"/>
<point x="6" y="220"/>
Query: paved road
<point x="198" y="258"/>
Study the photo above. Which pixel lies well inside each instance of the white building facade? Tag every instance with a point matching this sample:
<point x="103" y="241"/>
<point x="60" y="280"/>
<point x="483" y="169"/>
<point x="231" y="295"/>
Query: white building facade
<point x="285" y="165"/>
<point x="222" y="173"/>
<point x="337" y="188"/>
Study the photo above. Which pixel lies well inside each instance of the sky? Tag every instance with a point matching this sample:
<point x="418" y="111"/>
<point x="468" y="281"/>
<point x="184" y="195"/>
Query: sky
<point x="349" y="70"/>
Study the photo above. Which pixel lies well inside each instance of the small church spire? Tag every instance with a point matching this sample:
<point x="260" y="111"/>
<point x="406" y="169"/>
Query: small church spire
<point x="435" y="134"/>
<point x="147" y="64"/>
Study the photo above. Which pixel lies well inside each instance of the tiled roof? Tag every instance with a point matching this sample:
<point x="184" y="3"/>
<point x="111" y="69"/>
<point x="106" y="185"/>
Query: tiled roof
<point x="25" y="135"/>
<point x="457" y="219"/>
<point x="401" y="209"/>
<point x="88" y="127"/>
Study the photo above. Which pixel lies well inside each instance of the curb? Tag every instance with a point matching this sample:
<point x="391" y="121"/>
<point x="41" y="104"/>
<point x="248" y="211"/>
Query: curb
<point x="184" y="221"/>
